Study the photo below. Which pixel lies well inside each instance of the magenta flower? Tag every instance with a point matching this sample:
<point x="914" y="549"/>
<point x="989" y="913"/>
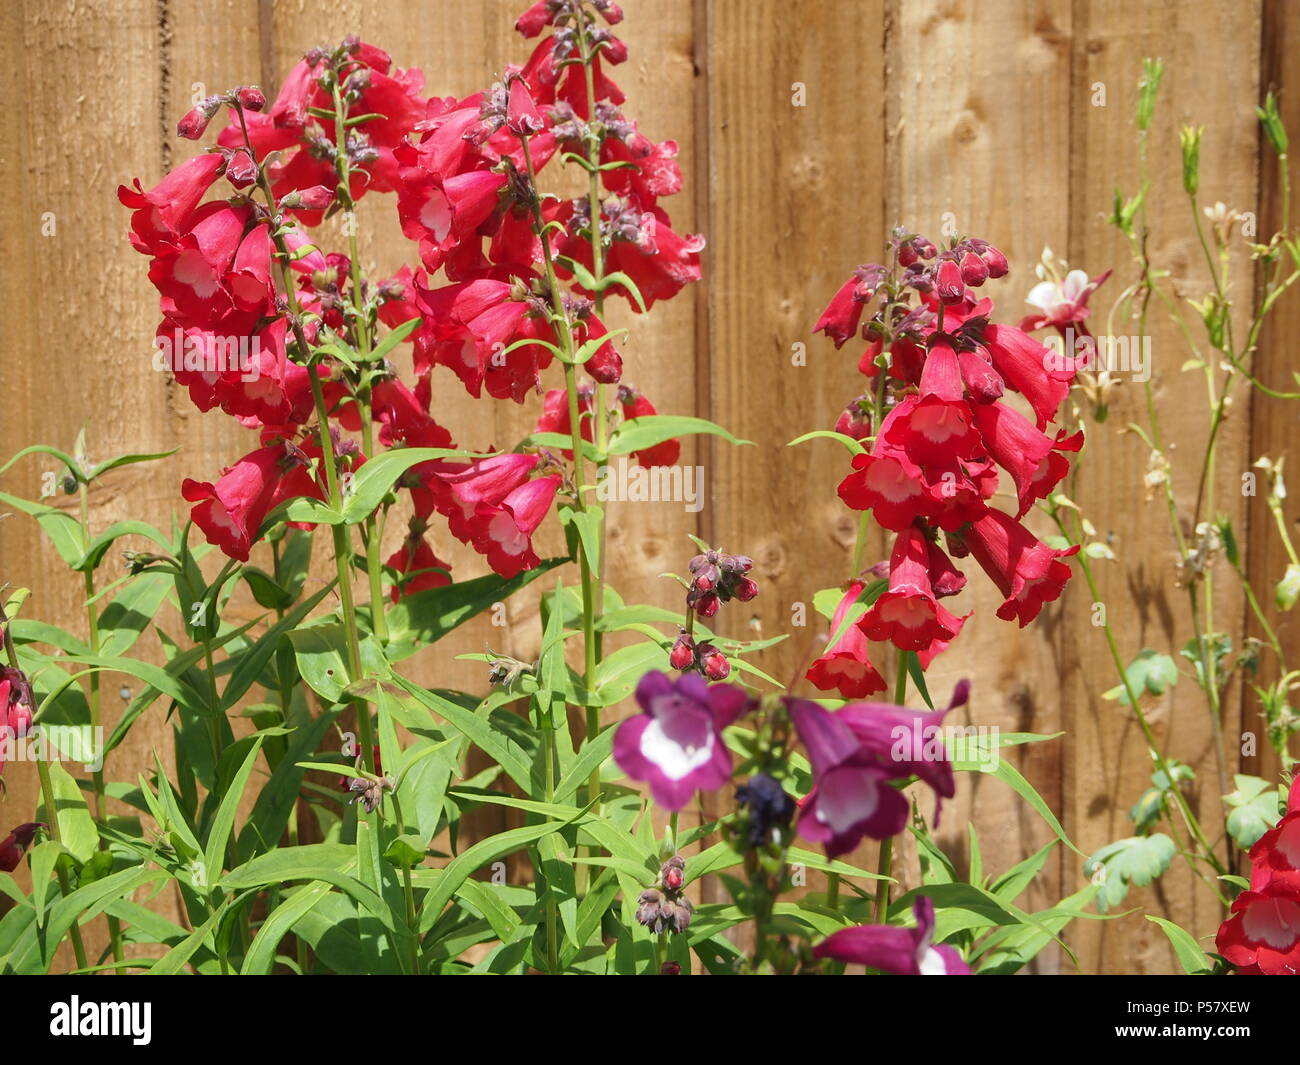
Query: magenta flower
<point x="676" y="743"/>
<point x="857" y="754"/>
<point x="901" y="951"/>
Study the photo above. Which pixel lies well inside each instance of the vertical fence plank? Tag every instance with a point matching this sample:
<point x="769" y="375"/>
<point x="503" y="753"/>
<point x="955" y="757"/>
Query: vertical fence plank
<point x="1273" y="421"/>
<point x="1210" y="79"/>
<point x="795" y="136"/>
<point x="979" y="146"/>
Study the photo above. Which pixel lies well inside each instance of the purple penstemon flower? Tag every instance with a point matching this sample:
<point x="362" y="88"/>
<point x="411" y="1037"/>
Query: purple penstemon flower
<point x="856" y="754"/>
<point x="676" y="742"/>
<point x="901" y="951"/>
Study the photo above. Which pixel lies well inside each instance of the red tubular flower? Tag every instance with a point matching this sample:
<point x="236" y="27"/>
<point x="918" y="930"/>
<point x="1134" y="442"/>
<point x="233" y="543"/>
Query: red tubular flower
<point x="249" y="278"/>
<point x="391" y="94"/>
<point x="1275" y="857"/>
<point x="1262" y="935"/>
<point x="1030" y="368"/>
<point x="909" y="614"/>
<point x="474" y="322"/>
<point x="938" y="424"/>
<point x="659" y="261"/>
<point x="15" y="707"/>
<point x="419" y="567"/>
<point x="636" y="405"/>
<point x="656" y="172"/>
<point x="191" y="273"/>
<point x="1026" y="570"/>
<point x="504" y="532"/>
<point x="231" y="512"/>
<point x="845" y="666"/>
<point x="459" y="491"/>
<point x="1034" y="460"/>
<point x="888" y="484"/>
<point x="14" y="844"/>
<point x="162" y="214"/>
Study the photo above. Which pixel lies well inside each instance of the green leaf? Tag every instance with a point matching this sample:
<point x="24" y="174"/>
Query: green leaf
<point x="1189" y="953"/>
<point x="45" y="449"/>
<point x="425" y="617"/>
<point x="261" y="955"/>
<point x="1149" y="672"/>
<point x="395" y="337"/>
<point x="223" y="824"/>
<point x="321" y="653"/>
<point x="174" y="960"/>
<point x="516" y="763"/>
<point x="128" y="460"/>
<point x="1254" y="809"/>
<point x="77" y="830"/>
<point x="637" y="434"/>
<point x="1011" y="776"/>
<point x="855" y="447"/>
<point x="1136" y="860"/>
<point x="63" y="530"/>
<point x="376" y="478"/>
<point x="482" y="853"/>
<point x="100" y="544"/>
<point x="249" y="665"/>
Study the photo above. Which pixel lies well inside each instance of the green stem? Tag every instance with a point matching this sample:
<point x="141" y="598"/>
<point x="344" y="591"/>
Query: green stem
<point x="97" y="775"/>
<point x="1157" y="756"/>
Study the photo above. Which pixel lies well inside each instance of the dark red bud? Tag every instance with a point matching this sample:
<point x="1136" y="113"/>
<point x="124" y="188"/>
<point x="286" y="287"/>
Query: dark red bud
<point x="707" y="605"/>
<point x="995" y="261"/>
<point x="746" y="589"/>
<point x="682" y="656"/>
<point x="250" y="98"/>
<point x="948" y="282"/>
<point x="194" y="123"/>
<point x="974" y="271"/>
<point x="713" y="663"/>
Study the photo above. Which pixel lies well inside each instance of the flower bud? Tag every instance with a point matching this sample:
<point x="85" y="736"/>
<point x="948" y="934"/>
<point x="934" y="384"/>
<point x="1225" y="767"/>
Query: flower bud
<point x="713" y="663"/>
<point x="522" y="118"/>
<point x="1271" y="120"/>
<point x="746" y="589"/>
<point x="683" y="655"/>
<point x="250" y="97"/>
<point x="995" y="261"/>
<point x="1189" y="137"/>
<point x="948" y="282"/>
<point x="855" y="420"/>
<point x="241" y="171"/>
<point x="706" y="605"/>
<point x="195" y="121"/>
<point x="1288" y="588"/>
<point x="974" y="270"/>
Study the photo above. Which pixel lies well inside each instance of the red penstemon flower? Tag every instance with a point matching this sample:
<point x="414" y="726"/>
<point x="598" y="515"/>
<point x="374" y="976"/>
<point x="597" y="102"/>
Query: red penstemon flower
<point x="947" y="425"/>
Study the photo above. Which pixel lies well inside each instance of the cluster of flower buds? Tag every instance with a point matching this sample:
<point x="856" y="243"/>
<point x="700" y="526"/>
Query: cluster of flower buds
<point x="717" y="579"/>
<point x="665" y="908"/>
<point x="194" y="123"/>
<point x="687" y="654"/>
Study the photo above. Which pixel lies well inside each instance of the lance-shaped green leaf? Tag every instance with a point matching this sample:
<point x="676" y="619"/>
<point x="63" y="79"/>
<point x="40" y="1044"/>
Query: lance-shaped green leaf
<point x="637" y="434"/>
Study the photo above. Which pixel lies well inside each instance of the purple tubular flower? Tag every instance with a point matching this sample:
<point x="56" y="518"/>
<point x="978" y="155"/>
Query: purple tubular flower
<point x="856" y="753"/>
<point x="901" y="951"/>
<point x="676" y="742"/>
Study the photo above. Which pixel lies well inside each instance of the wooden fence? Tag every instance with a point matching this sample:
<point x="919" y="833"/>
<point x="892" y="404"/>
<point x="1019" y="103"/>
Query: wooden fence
<point x="806" y="130"/>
